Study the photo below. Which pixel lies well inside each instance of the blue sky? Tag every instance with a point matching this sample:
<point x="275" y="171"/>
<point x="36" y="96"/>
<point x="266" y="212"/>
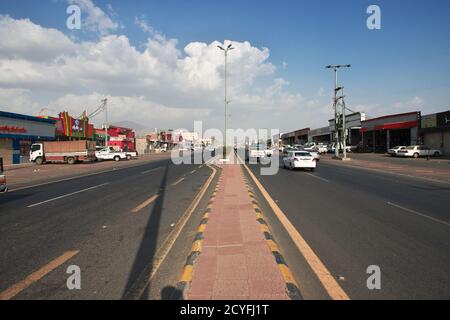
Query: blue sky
<point x="408" y="58"/>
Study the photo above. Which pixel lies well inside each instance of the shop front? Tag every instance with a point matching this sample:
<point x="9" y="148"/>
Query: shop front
<point x="353" y="128"/>
<point x="18" y="132"/>
<point x="301" y="136"/>
<point x="320" y="135"/>
<point x="435" y="131"/>
<point x="380" y="134"/>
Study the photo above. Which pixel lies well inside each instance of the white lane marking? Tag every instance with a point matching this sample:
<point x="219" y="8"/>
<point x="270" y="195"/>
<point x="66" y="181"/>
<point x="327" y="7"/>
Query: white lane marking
<point x="317" y="177"/>
<point x="67" y="195"/>
<point x="193" y="171"/>
<point x="151" y="170"/>
<point x="177" y="182"/>
<point x="418" y="213"/>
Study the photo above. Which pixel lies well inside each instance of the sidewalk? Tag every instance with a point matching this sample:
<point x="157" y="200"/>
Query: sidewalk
<point x="235" y="255"/>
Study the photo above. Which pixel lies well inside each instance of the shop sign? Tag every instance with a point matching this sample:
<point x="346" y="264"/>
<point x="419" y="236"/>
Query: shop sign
<point x="13" y="129"/>
<point x="443" y="119"/>
<point x="428" y="121"/>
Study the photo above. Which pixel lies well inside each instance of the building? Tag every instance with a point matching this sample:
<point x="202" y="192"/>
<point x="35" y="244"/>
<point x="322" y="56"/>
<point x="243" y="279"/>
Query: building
<point x="353" y="127"/>
<point x="435" y="131"/>
<point x="295" y="137"/>
<point x="119" y="137"/>
<point x="380" y="134"/>
<point x="18" y="132"/>
<point x="320" y="135"/>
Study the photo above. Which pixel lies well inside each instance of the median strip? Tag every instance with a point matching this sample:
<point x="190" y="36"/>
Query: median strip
<point x="67" y="195"/>
<point x="36" y="276"/>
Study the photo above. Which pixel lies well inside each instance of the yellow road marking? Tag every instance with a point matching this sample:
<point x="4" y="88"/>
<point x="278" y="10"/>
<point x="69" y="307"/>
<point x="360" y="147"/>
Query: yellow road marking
<point x="187" y="274"/>
<point x="201" y="228"/>
<point x="145" y="203"/>
<point x="287" y="275"/>
<point x="329" y="283"/>
<point x="165" y="248"/>
<point x="36" y="276"/>
<point x="264" y="228"/>
<point x="273" y="246"/>
<point x="197" y="246"/>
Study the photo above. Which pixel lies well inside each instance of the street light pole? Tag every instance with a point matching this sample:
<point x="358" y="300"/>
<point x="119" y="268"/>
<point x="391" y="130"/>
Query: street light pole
<point x="225" y="50"/>
<point x="335" y="103"/>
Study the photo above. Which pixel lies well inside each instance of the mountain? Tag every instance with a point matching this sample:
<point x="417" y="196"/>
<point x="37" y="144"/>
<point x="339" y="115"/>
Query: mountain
<point x="140" y="129"/>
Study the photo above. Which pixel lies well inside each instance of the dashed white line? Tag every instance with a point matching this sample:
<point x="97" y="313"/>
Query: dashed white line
<point x="177" y="182"/>
<point x="151" y="170"/>
<point x="418" y="213"/>
<point x="67" y="195"/>
<point x="193" y="171"/>
<point x="317" y="177"/>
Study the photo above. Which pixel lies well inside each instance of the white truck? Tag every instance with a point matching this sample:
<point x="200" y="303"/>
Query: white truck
<point x="70" y="152"/>
<point x="110" y="154"/>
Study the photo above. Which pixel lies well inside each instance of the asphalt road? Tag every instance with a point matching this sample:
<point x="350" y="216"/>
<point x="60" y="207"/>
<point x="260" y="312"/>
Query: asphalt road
<point x="354" y="218"/>
<point x="112" y="223"/>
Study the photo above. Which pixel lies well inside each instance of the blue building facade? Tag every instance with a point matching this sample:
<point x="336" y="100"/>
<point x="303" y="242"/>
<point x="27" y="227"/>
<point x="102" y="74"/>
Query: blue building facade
<point x="18" y="132"/>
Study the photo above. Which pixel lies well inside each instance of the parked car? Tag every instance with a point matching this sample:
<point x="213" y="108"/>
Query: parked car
<point x="332" y="148"/>
<point x="299" y="159"/>
<point x="393" y="151"/>
<point x="110" y="154"/>
<point x="3" y="187"/>
<point x="419" y="151"/>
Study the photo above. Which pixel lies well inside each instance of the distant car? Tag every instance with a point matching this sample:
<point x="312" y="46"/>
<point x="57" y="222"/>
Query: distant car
<point x="299" y="159"/>
<point x="393" y="151"/>
<point x="3" y="187"/>
<point x="419" y="151"/>
<point x="110" y="154"/>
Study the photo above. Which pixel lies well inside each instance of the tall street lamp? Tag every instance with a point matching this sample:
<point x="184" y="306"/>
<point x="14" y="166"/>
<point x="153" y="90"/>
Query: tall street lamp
<point x="335" y="102"/>
<point x="225" y="50"/>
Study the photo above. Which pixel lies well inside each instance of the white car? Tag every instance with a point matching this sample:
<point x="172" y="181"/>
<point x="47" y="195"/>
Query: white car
<point x="110" y="154"/>
<point x="419" y="151"/>
<point x="299" y="159"/>
<point x="393" y="151"/>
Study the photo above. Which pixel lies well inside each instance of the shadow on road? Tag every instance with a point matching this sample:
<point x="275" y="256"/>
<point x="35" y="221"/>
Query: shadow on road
<point x="138" y="284"/>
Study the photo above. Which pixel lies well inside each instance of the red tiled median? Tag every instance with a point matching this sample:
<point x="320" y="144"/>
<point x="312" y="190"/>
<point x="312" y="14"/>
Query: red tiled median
<point x="235" y="262"/>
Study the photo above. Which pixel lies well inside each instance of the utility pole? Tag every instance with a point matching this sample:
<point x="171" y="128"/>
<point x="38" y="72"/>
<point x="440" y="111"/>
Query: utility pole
<point x="105" y="102"/>
<point x="336" y="112"/>
<point x="228" y="48"/>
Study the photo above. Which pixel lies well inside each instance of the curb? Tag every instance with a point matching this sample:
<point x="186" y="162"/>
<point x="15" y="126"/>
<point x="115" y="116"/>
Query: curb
<point x="196" y="249"/>
<point x="292" y="289"/>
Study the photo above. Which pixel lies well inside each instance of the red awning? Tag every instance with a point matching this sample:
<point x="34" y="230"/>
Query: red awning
<point x="390" y="126"/>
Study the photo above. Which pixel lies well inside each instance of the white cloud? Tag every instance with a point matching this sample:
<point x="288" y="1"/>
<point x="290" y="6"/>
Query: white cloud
<point x="414" y="103"/>
<point x="143" y="25"/>
<point x="159" y="85"/>
<point x="95" y="19"/>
